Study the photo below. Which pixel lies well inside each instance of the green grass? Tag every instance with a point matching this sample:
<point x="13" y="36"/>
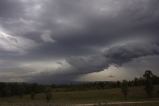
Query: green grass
<point x="89" y="96"/>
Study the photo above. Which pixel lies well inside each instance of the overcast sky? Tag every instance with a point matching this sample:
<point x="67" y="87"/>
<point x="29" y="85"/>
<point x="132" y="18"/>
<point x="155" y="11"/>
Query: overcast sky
<point x="58" y="41"/>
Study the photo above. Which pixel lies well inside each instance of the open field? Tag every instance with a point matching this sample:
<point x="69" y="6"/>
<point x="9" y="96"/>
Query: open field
<point x="141" y="103"/>
<point x="138" y="103"/>
<point x="89" y="96"/>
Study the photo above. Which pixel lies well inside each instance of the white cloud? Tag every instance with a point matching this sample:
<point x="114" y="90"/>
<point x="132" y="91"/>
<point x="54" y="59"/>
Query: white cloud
<point x="46" y="37"/>
<point x="46" y="66"/>
<point x="12" y="43"/>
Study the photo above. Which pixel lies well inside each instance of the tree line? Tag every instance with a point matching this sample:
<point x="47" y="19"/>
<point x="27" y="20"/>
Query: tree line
<point x="148" y="80"/>
<point x="140" y="81"/>
<point x="19" y="89"/>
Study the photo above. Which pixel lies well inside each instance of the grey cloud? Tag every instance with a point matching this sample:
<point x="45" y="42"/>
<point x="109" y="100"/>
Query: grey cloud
<point x="98" y="31"/>
<point x="80" y="30"/>
<point x="116" y="55"/>
<point x="123" y="54"/>
<point x="10" y="9"/>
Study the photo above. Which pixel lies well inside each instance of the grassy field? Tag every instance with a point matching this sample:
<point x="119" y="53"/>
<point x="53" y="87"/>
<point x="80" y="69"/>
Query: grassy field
<point x="89" y="96"/>
<point x="137" y="104"/>
<point x="51" y="104"/>
<point x="108" y="95"/>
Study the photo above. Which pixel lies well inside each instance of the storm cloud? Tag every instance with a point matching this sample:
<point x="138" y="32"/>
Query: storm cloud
<point x="61" y="40"/>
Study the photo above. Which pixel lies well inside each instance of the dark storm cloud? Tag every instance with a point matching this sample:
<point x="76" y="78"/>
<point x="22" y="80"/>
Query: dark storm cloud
<point x="83" y="28"/>
<point x="90" y="35"/>
<point x="117" y="55"/>
<point x="10" y="9"/>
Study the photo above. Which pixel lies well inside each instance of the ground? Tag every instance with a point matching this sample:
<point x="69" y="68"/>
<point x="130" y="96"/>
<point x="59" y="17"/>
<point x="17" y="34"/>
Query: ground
<point x="88" y="96"/>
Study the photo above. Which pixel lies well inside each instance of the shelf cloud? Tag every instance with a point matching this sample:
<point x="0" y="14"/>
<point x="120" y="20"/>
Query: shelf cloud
<point x="61" y="40"/>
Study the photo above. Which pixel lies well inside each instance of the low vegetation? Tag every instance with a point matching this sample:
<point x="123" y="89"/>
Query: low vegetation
<point x="145" y="88"/>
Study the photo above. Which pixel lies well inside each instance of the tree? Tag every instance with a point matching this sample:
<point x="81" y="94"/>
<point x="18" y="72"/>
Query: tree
<point x="6" y="91"/>
<point x="48" y="94"/>
<point x="118" y="84"/>
<point x="124" y="88"/>
<point x="148" y="75"/>
<point x="34" y="91"/>
<point x="32" y="95"/>
<point x="21" y="90"/>
<point x="136" y="81"/>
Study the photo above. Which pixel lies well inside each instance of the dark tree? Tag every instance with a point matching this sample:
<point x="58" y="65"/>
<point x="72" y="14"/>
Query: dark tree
<point x="32" y="95"/>
<point x="136" y="81"/>
<point x="48" y="94"/>
<point x="124" y="88"/>
<point x="148" y="75"/>
<point x="21" y="90"/>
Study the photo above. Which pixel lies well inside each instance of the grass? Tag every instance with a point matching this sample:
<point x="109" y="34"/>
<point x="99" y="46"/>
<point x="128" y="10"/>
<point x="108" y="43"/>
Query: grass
<point x="108" y="95"/>
<point x="137" y="104"/>
<point x="89" y="96"/>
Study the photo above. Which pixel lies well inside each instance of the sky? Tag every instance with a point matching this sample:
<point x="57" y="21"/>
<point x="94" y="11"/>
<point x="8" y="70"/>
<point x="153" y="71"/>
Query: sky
<point x="60" y="41"/>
